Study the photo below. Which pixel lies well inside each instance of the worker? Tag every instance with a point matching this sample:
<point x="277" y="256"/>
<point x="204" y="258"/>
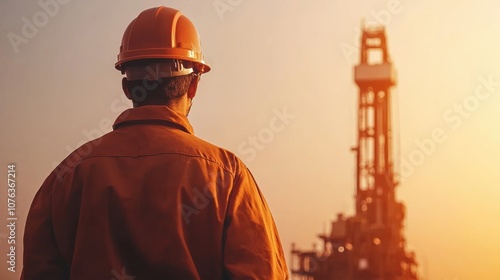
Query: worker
<point x="150" y="200"/>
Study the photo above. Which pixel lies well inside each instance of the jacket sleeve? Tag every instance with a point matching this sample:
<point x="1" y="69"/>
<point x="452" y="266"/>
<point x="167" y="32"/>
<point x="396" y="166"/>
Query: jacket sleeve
<point x="41" y="256"/>
<point x="252" y="247"/>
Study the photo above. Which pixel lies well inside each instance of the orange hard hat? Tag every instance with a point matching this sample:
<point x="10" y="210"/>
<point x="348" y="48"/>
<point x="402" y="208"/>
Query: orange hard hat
<point x="162" y="33"/>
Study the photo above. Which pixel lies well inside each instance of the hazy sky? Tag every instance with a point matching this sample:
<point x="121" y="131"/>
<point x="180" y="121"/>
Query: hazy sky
<point x="59" y="89"/>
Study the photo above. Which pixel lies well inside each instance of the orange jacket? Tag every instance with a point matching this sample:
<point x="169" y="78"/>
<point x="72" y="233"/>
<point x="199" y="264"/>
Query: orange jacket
<point x="149" y="200"/>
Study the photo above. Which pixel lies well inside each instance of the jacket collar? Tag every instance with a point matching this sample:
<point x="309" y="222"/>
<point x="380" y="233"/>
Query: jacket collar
<point x="153" y="114"/>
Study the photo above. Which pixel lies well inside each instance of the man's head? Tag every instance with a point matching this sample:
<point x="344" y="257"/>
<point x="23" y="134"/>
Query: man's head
<point x="159" y="82"/>
<point x="161" y="58"/>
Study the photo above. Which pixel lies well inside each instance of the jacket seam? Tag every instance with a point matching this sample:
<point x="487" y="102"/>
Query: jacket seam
<point x="151" y="155"/>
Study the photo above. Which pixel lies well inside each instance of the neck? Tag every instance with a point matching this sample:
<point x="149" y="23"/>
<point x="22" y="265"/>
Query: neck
<point x="181" y="105"/>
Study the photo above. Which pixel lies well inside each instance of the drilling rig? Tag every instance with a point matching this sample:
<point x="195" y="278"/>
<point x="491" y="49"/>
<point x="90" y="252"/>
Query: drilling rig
<point x="369" y="245"/>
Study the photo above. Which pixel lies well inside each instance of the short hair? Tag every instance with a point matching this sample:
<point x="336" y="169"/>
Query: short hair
<point x="162" y="91"/>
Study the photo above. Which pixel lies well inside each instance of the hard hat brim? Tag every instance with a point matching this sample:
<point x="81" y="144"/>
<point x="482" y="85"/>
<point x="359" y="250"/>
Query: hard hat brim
<point x="188" y="55"/>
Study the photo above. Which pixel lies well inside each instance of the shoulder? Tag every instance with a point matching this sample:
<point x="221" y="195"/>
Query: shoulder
<point x="218" y="155"/>
<point x="74" y="158"/>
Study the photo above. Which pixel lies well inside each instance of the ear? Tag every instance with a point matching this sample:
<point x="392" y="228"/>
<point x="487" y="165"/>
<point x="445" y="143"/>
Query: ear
<point x="125" y="88"/>
<point x="193" y="87"/>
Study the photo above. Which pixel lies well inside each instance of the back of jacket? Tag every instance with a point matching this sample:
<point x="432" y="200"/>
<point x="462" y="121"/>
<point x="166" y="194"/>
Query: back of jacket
<point x="150" y="200"/>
